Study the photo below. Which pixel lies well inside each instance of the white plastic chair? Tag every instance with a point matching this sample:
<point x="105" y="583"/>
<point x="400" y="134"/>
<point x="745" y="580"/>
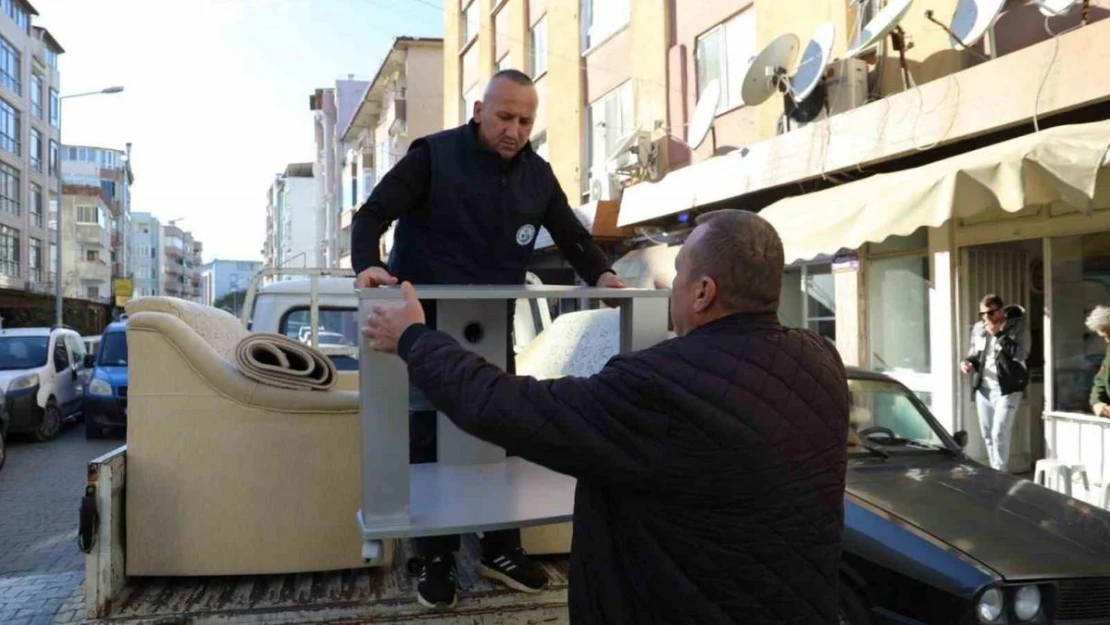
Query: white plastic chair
<point x="1058" y="474"/>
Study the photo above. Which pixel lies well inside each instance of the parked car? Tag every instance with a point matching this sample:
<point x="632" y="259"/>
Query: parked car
<point x="3" y="434"/>
<point x="932" y="536"/>
<point x="42" y="378"/>
<point x="106" y="391"/>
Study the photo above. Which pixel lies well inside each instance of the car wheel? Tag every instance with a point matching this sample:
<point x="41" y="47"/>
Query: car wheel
<point x="51" y="423"/>
<point x="853" y="611"/>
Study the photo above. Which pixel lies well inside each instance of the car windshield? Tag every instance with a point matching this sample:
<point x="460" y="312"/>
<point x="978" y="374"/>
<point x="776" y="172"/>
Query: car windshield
<point x="887" y="416"/>
<point x="23" y="352"/>
<point x="113" y="350"/>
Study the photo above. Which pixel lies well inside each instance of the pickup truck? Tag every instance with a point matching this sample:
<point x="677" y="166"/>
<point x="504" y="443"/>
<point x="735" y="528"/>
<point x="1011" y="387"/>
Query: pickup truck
<point x="323" y="299"/>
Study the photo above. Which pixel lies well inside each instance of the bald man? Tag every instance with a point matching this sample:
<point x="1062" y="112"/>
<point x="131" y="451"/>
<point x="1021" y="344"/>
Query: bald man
<point x="710" y="467"/>
<point x="468" y="203"/>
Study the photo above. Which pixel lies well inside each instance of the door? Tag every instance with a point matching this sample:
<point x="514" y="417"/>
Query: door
<point x="1003" y="272"/>
<point x="77" y="353"/>
<point x="64" y="384"/>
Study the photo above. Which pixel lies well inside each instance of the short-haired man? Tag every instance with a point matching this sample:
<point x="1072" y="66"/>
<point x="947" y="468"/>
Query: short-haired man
<point x="996" y="361"/>
<point x="710" y="467"/>
<point x="468" y="204"/>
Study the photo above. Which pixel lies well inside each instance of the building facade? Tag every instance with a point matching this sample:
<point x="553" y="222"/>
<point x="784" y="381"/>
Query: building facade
<point x="147" y="254"/>
<point x="220" y="278"/>
<point x="110" y="170"/>
<point x="402" y="103"/>
<point x="86" y="243"/>
<point x="30" y="122"/>
<point x="181" y="262"/>
<point x="291" y="219"/>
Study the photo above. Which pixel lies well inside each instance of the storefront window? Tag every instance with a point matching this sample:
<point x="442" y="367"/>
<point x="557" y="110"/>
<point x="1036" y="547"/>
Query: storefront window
<point x="898" y="314"/>
<point x="808" y="299"/>
<point x="1080" y="281"/>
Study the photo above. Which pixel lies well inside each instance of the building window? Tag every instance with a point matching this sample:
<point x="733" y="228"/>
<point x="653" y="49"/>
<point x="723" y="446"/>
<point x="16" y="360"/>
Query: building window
<point x="608" y="120"/>
<point x="539" y="145"/>
<point x="109" y="188"/>
<point x="723" y="53"/>
<point x="36" y="95"/>
<point x="9" y="128"/>
<point x="470" y="22"/>
<point x="93" y="215"/>
<point x="602" y="18"/>
<point x="10" y="67"/>
<point x="36" y="205"/>
<point x="504" y="63"/>
<point x="92" y="256"/>
<point x="18" y="15"/>
<point x="51" y="58"/>
<point x="1080" y="280"/>
<point x="55" y="109"/>
<point x="537" y="48"/>
<point x="35" y="259"/>
<point x="9" y="189"/>
<point x="94" y="292"/>
<point x="898" y="314"/>
<point x="52" y="158"/>
<point x="471" y="96"/>
<point x="36" y="150"/>
<point x="808" y="299"/>
<point x="9" y="251"/>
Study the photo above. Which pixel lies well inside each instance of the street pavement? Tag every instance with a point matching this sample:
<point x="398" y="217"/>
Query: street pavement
<point x="41" y="569"/>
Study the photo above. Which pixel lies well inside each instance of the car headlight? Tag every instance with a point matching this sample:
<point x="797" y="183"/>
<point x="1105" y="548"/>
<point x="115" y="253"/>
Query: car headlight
<point x="1027" y="602"/>
<point x="26" y="381"/>
<point x="989" y="607"/>
<point x="99" y="387"/>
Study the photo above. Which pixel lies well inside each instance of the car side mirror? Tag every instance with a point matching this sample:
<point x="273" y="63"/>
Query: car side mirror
<point x="90" y="361"/>
<point x="960" y="438"/>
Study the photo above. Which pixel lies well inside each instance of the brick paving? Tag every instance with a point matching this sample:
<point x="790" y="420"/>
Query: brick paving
<point x="41" y="569"/>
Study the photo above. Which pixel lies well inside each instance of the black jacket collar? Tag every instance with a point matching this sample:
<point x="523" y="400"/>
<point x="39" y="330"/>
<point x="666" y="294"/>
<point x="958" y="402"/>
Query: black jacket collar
<point x="739" y="322"/>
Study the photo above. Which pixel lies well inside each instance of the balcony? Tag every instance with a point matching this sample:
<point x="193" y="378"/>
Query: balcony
<point x="93" y="235"/>
<point x="397" y="114"/>
<point x="93" y="271"/>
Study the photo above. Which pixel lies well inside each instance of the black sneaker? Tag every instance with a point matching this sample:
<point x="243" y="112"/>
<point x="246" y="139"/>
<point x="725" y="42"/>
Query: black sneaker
<point x="436" y="585"/>
<point x="514" y="569"/>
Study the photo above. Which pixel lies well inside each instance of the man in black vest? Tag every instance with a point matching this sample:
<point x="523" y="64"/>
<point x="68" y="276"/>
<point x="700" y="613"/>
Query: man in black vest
<point x="468" y="204"/>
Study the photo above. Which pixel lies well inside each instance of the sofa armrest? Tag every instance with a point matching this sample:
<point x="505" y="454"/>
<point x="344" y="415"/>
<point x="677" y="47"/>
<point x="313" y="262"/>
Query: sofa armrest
<point x="224" y="377"/>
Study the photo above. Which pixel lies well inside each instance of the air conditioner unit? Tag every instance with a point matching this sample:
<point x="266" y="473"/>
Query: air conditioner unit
<point x="605" y="187"/>
<point x="844" y="88"/>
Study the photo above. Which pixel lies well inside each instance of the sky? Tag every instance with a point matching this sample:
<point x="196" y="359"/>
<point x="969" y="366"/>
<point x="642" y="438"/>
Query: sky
<point x="216" y="94"/>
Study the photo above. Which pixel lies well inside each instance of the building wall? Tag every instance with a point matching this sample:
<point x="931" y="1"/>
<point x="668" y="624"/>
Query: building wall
<point x="86" y="264"/>
<point x="299" y="209"/>
<point x="147" y="256"/>
<point x="222" y="277"/>
<point x="109" y="169"/>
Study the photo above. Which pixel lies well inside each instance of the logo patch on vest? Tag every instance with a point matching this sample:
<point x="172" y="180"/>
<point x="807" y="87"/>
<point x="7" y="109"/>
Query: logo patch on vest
<point x="525" y="234"/>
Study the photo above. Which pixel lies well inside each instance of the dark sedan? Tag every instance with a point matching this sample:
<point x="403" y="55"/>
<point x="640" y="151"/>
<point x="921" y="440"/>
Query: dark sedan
<point x="932" y="536"/>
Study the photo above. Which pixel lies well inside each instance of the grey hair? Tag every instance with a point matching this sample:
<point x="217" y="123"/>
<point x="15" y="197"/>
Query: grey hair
<point x="1099" y="319"/>
<point x="743" y="253"/>
<point x="514" y="76"/>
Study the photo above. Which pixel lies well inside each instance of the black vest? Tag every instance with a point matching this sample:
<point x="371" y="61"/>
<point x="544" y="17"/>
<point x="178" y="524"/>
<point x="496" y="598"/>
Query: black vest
<point x="481" y="217"/>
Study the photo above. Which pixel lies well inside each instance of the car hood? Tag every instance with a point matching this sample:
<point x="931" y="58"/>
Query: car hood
<point x="116" y="376"/>
<point x="6" y="377"/>
<point x="1013" y="526"/>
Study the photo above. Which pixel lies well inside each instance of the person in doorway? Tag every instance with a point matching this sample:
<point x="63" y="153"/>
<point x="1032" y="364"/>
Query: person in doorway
<point x="468" y="203"/>
<point x="996" y="360"/>
<point x="710" y="467"/>
<point x="1099" y="323"/>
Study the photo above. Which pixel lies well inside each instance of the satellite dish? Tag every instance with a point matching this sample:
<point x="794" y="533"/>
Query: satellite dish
<point x="768" y="68"/>
<point x="704" y="112"/>
<point x="1055" y="8"/>
<point x="626" y="142"/>
<point x="814" y="60"/>
<point x="972" y="20"/>
<point x="879" y="26"/>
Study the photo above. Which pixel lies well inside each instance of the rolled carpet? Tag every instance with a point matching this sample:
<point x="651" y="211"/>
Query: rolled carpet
<point x="277" y="360"/>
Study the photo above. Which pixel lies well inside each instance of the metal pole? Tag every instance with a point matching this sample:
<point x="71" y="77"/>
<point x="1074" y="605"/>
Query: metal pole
<point x="58" y="226"/>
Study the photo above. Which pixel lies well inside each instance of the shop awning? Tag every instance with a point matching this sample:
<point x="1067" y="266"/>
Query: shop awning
<point x="1056" y="165"/>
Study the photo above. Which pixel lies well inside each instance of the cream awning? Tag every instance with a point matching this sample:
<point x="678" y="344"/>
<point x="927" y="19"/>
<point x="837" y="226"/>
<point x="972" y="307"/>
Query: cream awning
<point x="1056" y="165"/>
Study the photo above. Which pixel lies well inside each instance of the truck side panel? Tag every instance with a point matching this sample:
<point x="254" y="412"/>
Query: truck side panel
<point x="104" y="564"/>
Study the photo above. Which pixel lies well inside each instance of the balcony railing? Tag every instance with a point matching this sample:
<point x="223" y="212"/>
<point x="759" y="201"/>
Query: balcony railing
<point x="10" y="268"/>
<point x="91" y="234"/>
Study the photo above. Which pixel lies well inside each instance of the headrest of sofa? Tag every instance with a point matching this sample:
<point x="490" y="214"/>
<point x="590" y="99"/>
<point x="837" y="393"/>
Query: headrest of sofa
<point x="219" y="328"/>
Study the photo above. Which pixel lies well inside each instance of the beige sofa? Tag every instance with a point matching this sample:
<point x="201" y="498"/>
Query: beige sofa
<point x="226" y="476"/>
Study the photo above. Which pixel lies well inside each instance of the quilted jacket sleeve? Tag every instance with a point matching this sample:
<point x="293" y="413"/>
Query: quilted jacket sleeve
<point x="595" y="428"/>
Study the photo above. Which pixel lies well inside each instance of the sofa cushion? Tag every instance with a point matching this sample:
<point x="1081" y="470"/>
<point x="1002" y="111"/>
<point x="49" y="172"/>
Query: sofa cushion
<point x="219" y="328"/>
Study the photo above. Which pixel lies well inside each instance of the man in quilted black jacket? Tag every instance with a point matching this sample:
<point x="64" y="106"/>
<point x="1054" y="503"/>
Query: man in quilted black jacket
<point x="710" y="467"/>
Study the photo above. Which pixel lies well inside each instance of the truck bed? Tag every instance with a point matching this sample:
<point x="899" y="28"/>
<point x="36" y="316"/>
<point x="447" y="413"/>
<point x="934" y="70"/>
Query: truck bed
<point x="369" y="595"/>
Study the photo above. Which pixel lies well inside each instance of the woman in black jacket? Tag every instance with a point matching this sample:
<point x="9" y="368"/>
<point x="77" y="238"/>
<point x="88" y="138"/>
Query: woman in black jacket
<point x="996" y="360"/>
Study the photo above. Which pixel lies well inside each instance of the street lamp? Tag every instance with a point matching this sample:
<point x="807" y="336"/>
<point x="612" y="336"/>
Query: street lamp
<point x="58" y="214"/>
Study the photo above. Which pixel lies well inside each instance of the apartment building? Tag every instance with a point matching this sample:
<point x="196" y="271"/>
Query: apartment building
<point x="147" y="254"/>
<point x="86" y="243"/>
<point x="291" y="218"/>
<point x="333" y="109"/>
<point x="29" y="153"/>
<point x="110" y="171"/>
<point x="221" y="278"/>
<point x="403" y="102"/>
<point x="181" y="262"/>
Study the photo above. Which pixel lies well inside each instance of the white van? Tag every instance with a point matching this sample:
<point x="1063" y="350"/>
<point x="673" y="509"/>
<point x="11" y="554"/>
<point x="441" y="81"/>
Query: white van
<point x="42" y="374"/>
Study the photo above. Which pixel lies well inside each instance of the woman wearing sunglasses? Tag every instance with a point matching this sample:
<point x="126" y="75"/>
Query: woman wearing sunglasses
<point x="996" y="361"/>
